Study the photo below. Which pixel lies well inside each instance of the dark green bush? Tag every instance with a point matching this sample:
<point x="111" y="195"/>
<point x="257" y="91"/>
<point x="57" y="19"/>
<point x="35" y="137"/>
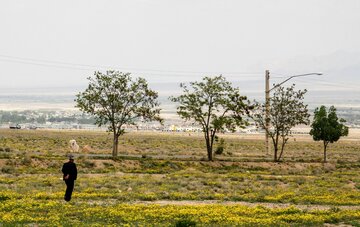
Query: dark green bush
<point x="185" y="223"/>
<point x="221" y="146"/>
<point x="8" y="169"/>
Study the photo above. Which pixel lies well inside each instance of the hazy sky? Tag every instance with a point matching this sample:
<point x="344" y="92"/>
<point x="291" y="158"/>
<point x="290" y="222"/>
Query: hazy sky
<point x="45" y="43"/>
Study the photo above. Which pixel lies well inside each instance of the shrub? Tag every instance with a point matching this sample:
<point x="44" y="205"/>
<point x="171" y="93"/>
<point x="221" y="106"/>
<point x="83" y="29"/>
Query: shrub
<point x="26" y="161"/>
<point x="108" y="165"/>
<point x="221" y="146"/>
<point x="4" y="197"/>
<point x="148" y="197"/>
<point x="54" y="164"/>
<point x="8" y="169"/>
<point x="89" y="164"/>
<point x="185" y="223"/>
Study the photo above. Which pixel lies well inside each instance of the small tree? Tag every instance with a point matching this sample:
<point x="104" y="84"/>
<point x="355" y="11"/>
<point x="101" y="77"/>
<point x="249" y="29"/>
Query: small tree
<point x="287" y="110"/>
<point x="215" y="105"/>
<point x="327" y="127"/>
<point x="114" y="99"/>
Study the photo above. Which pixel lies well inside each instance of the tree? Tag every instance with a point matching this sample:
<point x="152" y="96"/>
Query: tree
<point x="114" y="99"/>
<point x="327" y="127"/>
<point x="215" y="105"/>
<point x="287" y="110"/>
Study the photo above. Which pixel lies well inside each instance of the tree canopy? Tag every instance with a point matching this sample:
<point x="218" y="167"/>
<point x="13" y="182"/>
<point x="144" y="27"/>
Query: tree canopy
<point x="287" y="109"/>
<point x="327" y="127"/>
<point x="214" y="105"/>
<point x="116" y="100"/>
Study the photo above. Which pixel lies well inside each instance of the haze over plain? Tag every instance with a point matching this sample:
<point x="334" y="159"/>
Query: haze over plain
<point x="50" y="47"/>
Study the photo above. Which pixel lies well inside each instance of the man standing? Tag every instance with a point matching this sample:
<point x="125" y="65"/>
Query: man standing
<point x="70" y="174"/>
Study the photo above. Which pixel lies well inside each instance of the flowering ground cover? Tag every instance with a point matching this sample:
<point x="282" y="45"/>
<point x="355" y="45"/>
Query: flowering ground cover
<point x="54" y="212"/>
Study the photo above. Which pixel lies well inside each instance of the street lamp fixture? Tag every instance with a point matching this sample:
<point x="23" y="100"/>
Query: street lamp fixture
<point x="267" y="101"/>
<point x="307" y="74"/>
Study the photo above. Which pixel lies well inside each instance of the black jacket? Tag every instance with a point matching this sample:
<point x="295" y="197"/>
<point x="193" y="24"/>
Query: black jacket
<point x="70" y="168"/>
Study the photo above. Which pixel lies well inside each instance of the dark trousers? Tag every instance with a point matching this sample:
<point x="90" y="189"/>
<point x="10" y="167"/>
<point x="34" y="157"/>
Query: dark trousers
<point x="69" y="189"/>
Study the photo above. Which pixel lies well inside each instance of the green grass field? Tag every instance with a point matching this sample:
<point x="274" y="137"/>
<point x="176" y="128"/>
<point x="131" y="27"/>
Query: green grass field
<point x="163" y="179"/>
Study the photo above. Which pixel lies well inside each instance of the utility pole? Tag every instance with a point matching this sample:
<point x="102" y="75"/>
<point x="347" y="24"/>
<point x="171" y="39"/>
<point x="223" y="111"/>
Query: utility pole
<point x="267" y="102"/>
<point x="267" y="110"/>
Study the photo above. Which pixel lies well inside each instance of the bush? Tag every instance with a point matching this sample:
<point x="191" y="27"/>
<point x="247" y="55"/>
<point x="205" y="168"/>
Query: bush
<point x="185" y="223"/>
<point x="4" y="197"/>
<point x="26" y="161"/>
<point x="148" y="197"/>
<point x="220" y="148"/>
<point x="89" y="164"/>
<point x="8" y="169"/>
<point x="54" y="164"/>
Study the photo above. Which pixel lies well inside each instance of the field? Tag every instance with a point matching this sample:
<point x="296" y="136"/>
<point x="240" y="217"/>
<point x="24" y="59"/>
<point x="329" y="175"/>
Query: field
<point x="163" y="179"/>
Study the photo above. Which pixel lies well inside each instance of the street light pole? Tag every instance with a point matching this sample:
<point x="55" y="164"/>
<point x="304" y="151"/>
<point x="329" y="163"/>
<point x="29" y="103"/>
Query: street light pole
<point x="267" y="110"/>
<point x="267" y="102"/>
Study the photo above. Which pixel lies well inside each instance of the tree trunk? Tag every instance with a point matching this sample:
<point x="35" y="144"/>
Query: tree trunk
<point x="115" y="146"/>
<point x="275" y="142"/>
<point x="208" y="146"/>
<point x="209" y="149"/>
<point x="276" y="146"/>
<point x="281" y="153"/>
<point x="275" y="154"/>
<point x="282" y="148"/>
<point x="325" y="146"/>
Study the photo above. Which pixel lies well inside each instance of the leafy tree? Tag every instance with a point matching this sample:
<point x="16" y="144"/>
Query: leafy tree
<point x="12" y="116"/>
<point x="287" y="110"/>
<point x="215" y="105"/>
<point x="114" y="99"/>
<point x="327" y="127"/>
<point x="41" y="120"/>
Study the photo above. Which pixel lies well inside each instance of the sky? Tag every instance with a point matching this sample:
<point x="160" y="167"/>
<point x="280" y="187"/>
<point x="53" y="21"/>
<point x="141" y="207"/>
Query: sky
<point x="56" y="44"/>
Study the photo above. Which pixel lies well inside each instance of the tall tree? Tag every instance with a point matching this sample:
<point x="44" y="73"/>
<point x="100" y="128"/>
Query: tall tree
<point x="114" y="99"/>
<point x="327" y="127"/>
<point x="287" y="110"/>
<point x="215" y="105"/>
